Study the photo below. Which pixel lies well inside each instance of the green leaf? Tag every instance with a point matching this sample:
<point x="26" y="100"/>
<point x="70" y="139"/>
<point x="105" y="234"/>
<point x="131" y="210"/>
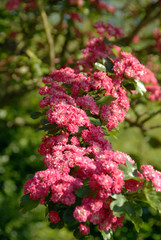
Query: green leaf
<point x="100" y="67"/>
<point x="107" y="235"/>
<point x="51" y="128"/>
<point x="134" y="212"/>
<point x="35" y="115"/>
<point x="122" y="205"/>
<point x="84" y="191"/>
<point x="153" y="198"/>
<point x="27" y="203"/>
<point x="129" y="86"/>
<point x="44" y="121"/>
<point x="77" y="234"/>
<point x="114" y="132"/>
<point x="105" y="100"/>
<point x="133" y="209"/>
<point x="130" y="171"/>
<point x="105" y="130"/>
<point x="137" y="221"/>
<point x="108" y="65"/>
<point x="59" y="225"/>
<point x="126" y="49"/>
<point x="68" y="217"/>
<point x="140" y="88"/>
<point x="95" y="121"/>
<point x="118" y="205"/>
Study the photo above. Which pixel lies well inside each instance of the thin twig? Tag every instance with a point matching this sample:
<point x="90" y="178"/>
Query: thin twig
<point x="146" y="20"/>
<point x="49" y="36"/>
<point x="151" y="116"/>
<point x="152" y="127"/>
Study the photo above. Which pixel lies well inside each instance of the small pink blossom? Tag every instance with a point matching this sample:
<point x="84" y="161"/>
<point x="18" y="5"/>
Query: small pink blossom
<point x="54" y="217"/>
<point x="129" y="66"/>
<point x="12" y="4"/>
<point x="81" y="213"/>
<point x="84" y="229"/>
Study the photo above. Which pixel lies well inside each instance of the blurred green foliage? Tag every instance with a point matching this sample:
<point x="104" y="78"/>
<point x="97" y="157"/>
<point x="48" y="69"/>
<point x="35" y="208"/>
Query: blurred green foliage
<point x="24" y="59"/>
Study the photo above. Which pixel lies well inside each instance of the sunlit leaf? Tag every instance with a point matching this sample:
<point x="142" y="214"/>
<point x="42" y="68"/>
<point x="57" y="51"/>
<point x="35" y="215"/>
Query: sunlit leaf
<point x="100" y="67"/>
<point x="105" y="100"/>
<point x="27" y="203"/>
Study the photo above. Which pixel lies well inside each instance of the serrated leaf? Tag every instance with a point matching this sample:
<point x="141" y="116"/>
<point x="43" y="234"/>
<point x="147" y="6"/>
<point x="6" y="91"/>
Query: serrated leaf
<point x="95" y="121"/>
<point x="44" y="121"/>
<point x="109" y="65"/>
<point x="105" y="130"/>
<point x="153" y="198"/>
<point x="140" y="88"/>
<point x="107" y="235"/>
<point x="105" y="100"/>
<point x="100" y="67"/>
<point x="59" y="225"/>
<point x="130" y="171"/>
<point x="134" y="212"/>
<point x="84" y="191"/>
<point x="126" y="49"/>
<point x="114" y="132"/>
<point x="133" y="209"/>
<point x="27" y="203"/>
<point x="35" y="115"/>
<point x="129" y="86"/>
<point x="118" y="205"/>
<point x="137" y="223"/>
<point x="68" y="217"/>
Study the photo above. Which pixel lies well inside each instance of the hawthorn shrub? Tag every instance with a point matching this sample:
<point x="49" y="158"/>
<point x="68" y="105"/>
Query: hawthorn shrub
<point x="95" y="103"/>
<point x="87" y="186"/>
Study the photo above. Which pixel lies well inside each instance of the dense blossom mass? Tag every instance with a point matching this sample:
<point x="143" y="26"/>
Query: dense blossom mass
<point x="81" y="106"/>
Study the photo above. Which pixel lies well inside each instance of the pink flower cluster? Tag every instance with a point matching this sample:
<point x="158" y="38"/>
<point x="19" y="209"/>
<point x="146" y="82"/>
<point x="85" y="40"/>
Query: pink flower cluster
<point x="96" y="48"/>
<point x="97" y="212"/>
<point x="152" y="175"/>
<point x="75" y="2"/>
<point x="14" y="5"/>
<point x="108" y="30"/>
<point x="78" y="155"/>
<point x="116" y="111"/>
<point x="69" y="165"/>
<point x="101" y="5"/>
<point x="128" y="66"/>
<point x="54" y="217"/>
<point x="74" y="16"/>
<point x="152" y="85"/>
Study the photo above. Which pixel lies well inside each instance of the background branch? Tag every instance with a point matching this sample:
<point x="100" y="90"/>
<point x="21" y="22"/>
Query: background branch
<point x="145" y="21"/>
<point x="49" y="36"/>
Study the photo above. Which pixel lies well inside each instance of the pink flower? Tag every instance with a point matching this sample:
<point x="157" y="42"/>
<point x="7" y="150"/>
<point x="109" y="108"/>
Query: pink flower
<point x="12" y="4"/>
<point x="81" y="213"/>
<point x="136" y="39"/>
<point x="69" y="116"/>
<point x="75" y="16"/>
<point x="100" y="27"/>
<point x="129" y="66"/>
<point x="74" y="2"/>
<point x="114" y="31"/>
<point x="54" y="217"/>
<point x="84" y="229"/>
<point x="132" y="185"/>
<point x="153" y="175"/>
<point x="87" y="102"/>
